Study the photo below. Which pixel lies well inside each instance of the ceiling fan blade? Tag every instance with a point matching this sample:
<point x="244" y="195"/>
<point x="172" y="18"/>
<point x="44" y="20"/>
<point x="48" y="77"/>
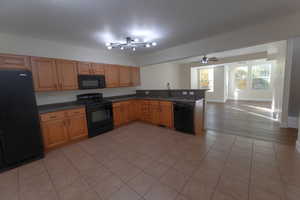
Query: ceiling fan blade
<point x="213" y="59"/>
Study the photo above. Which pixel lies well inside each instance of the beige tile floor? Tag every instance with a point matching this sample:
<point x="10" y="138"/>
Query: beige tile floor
<point x="144" y="162"/>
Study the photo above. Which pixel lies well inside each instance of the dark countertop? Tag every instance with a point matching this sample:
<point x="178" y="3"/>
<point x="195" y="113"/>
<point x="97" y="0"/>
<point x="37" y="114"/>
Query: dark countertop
<point x="152" y="98"/>
<point x="58" y="106"/>
<point x="70" y="105"/>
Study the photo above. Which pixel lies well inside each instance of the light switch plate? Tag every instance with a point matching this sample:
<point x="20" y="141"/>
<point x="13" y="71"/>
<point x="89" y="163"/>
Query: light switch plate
<point x="192" y="93"/>
<point x="184" y="93"/>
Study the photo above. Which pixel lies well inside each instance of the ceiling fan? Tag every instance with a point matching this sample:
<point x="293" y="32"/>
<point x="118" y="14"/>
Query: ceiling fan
<point x="206" y="60"/>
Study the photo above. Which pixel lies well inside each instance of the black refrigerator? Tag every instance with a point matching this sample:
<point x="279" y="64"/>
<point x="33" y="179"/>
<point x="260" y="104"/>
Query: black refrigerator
<point x="20" y="135"/>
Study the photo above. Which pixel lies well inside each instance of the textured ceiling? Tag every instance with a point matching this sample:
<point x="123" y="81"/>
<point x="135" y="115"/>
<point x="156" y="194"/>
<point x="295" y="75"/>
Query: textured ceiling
<point x="91" y="23"/>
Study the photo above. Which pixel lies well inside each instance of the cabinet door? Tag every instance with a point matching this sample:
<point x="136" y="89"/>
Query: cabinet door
<point x="84" y="68"/>
<point x="98" y="69"/>
<point x="133" y="110"/>
<point x="145" y="111"/>
<point x="112" y="74"/>
<point x="77" y="127"/>
<point x="137" y="109"/>
<point x="14" y="61"/>
<point x="67" y="74"/>
<point x="166" y="114"/>
<point x="44" y="74"/>
<point x="125" y="76"/>
<point x="135" y="76"/>
<point x="125" y="112"/>
<point x="154" y="112"/>
<point x="117" y="114"/>
<point x="54" y="133"/>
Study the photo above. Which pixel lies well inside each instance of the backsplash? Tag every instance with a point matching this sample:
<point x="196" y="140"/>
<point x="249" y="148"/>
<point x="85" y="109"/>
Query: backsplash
<point x="186" y="94"/>
<point x="43" y="98"/>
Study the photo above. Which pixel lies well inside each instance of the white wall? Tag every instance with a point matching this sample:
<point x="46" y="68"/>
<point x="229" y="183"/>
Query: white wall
<point x="294" y="100"/>
<point x="43" y="98"/>
<point x="157" y="76"/>
<point x="269" y="31"/>
<point x="35" y="47"/>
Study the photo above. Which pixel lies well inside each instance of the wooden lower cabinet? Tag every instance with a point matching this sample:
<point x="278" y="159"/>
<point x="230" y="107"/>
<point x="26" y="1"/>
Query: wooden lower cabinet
<point x="166" y="114"/>
<point x="154" y="112"/>
<point x="62" y="127"/>
<point x="122" y="112"/>
<point x="77" y="127"/>
<point x="55" y="133"/>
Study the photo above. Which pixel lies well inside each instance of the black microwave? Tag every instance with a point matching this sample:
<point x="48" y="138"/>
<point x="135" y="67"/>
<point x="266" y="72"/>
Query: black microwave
<point x="91" y="82"/>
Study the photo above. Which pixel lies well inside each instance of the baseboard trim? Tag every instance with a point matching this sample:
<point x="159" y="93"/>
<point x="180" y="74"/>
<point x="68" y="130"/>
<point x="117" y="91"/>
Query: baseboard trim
<point x="215" y="101"/>
<point x="293" y="122"/>
<point x="250" y="99"/>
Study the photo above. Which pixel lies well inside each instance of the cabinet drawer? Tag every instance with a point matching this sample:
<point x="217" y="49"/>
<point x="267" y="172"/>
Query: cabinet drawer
<point x="154" y="103"/>
<point x="53" y="116"/>
<point x="166" y="103"/>
<point x="78" y="111"/>
<point x="116" y="105"/>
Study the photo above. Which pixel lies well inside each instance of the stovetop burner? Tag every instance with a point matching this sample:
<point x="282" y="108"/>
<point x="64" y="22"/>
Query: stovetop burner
<point x="91" y="99"/>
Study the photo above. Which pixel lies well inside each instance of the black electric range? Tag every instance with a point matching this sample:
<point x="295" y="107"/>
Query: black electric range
<point x="98" y="111"/>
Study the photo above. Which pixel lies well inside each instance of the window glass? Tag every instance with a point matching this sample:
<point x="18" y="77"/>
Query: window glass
<point x="206" y="78"/>
<point x="261" y="76"/>
<point x="241" y="77"/>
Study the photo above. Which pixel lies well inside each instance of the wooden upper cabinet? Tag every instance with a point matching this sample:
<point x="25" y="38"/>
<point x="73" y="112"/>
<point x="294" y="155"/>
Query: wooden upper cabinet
<point x="14" y="61"/>
<point x="98" y="69"/>
<point x="84" y="68"/>
<point x="125" y="76"/>
<point x="44" y="74"/>
<point x="67" y="74"/>
<point x="112" y="74"/>
<point x="135" y="76"/>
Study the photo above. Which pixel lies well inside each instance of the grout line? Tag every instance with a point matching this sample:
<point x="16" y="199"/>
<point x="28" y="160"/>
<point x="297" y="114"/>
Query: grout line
<point x="18" y="183"/>
<point x="51" y="180"/>
<point x="226" y="160"/>
<point x="251" y="167"/>
<point x="280" y="175"/>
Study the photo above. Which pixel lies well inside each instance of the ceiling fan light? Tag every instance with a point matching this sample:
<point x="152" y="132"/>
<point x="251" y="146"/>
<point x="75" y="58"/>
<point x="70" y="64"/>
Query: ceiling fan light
<point x="154" y="44"/>
<point x="107" y="44"/>
<point x="136" y="39"/>
<point x="109" y="47"/>
<point x="133" y="49"/>
<point x="122" y="48"/>
<point x="148" y="45"/>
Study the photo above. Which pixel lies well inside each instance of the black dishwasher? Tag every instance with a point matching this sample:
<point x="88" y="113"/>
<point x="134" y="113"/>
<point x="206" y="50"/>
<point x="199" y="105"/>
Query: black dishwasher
<point x="184" y="117"/>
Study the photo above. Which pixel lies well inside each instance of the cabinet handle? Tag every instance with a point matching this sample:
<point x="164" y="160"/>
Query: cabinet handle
<point x="52" y="117"/>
